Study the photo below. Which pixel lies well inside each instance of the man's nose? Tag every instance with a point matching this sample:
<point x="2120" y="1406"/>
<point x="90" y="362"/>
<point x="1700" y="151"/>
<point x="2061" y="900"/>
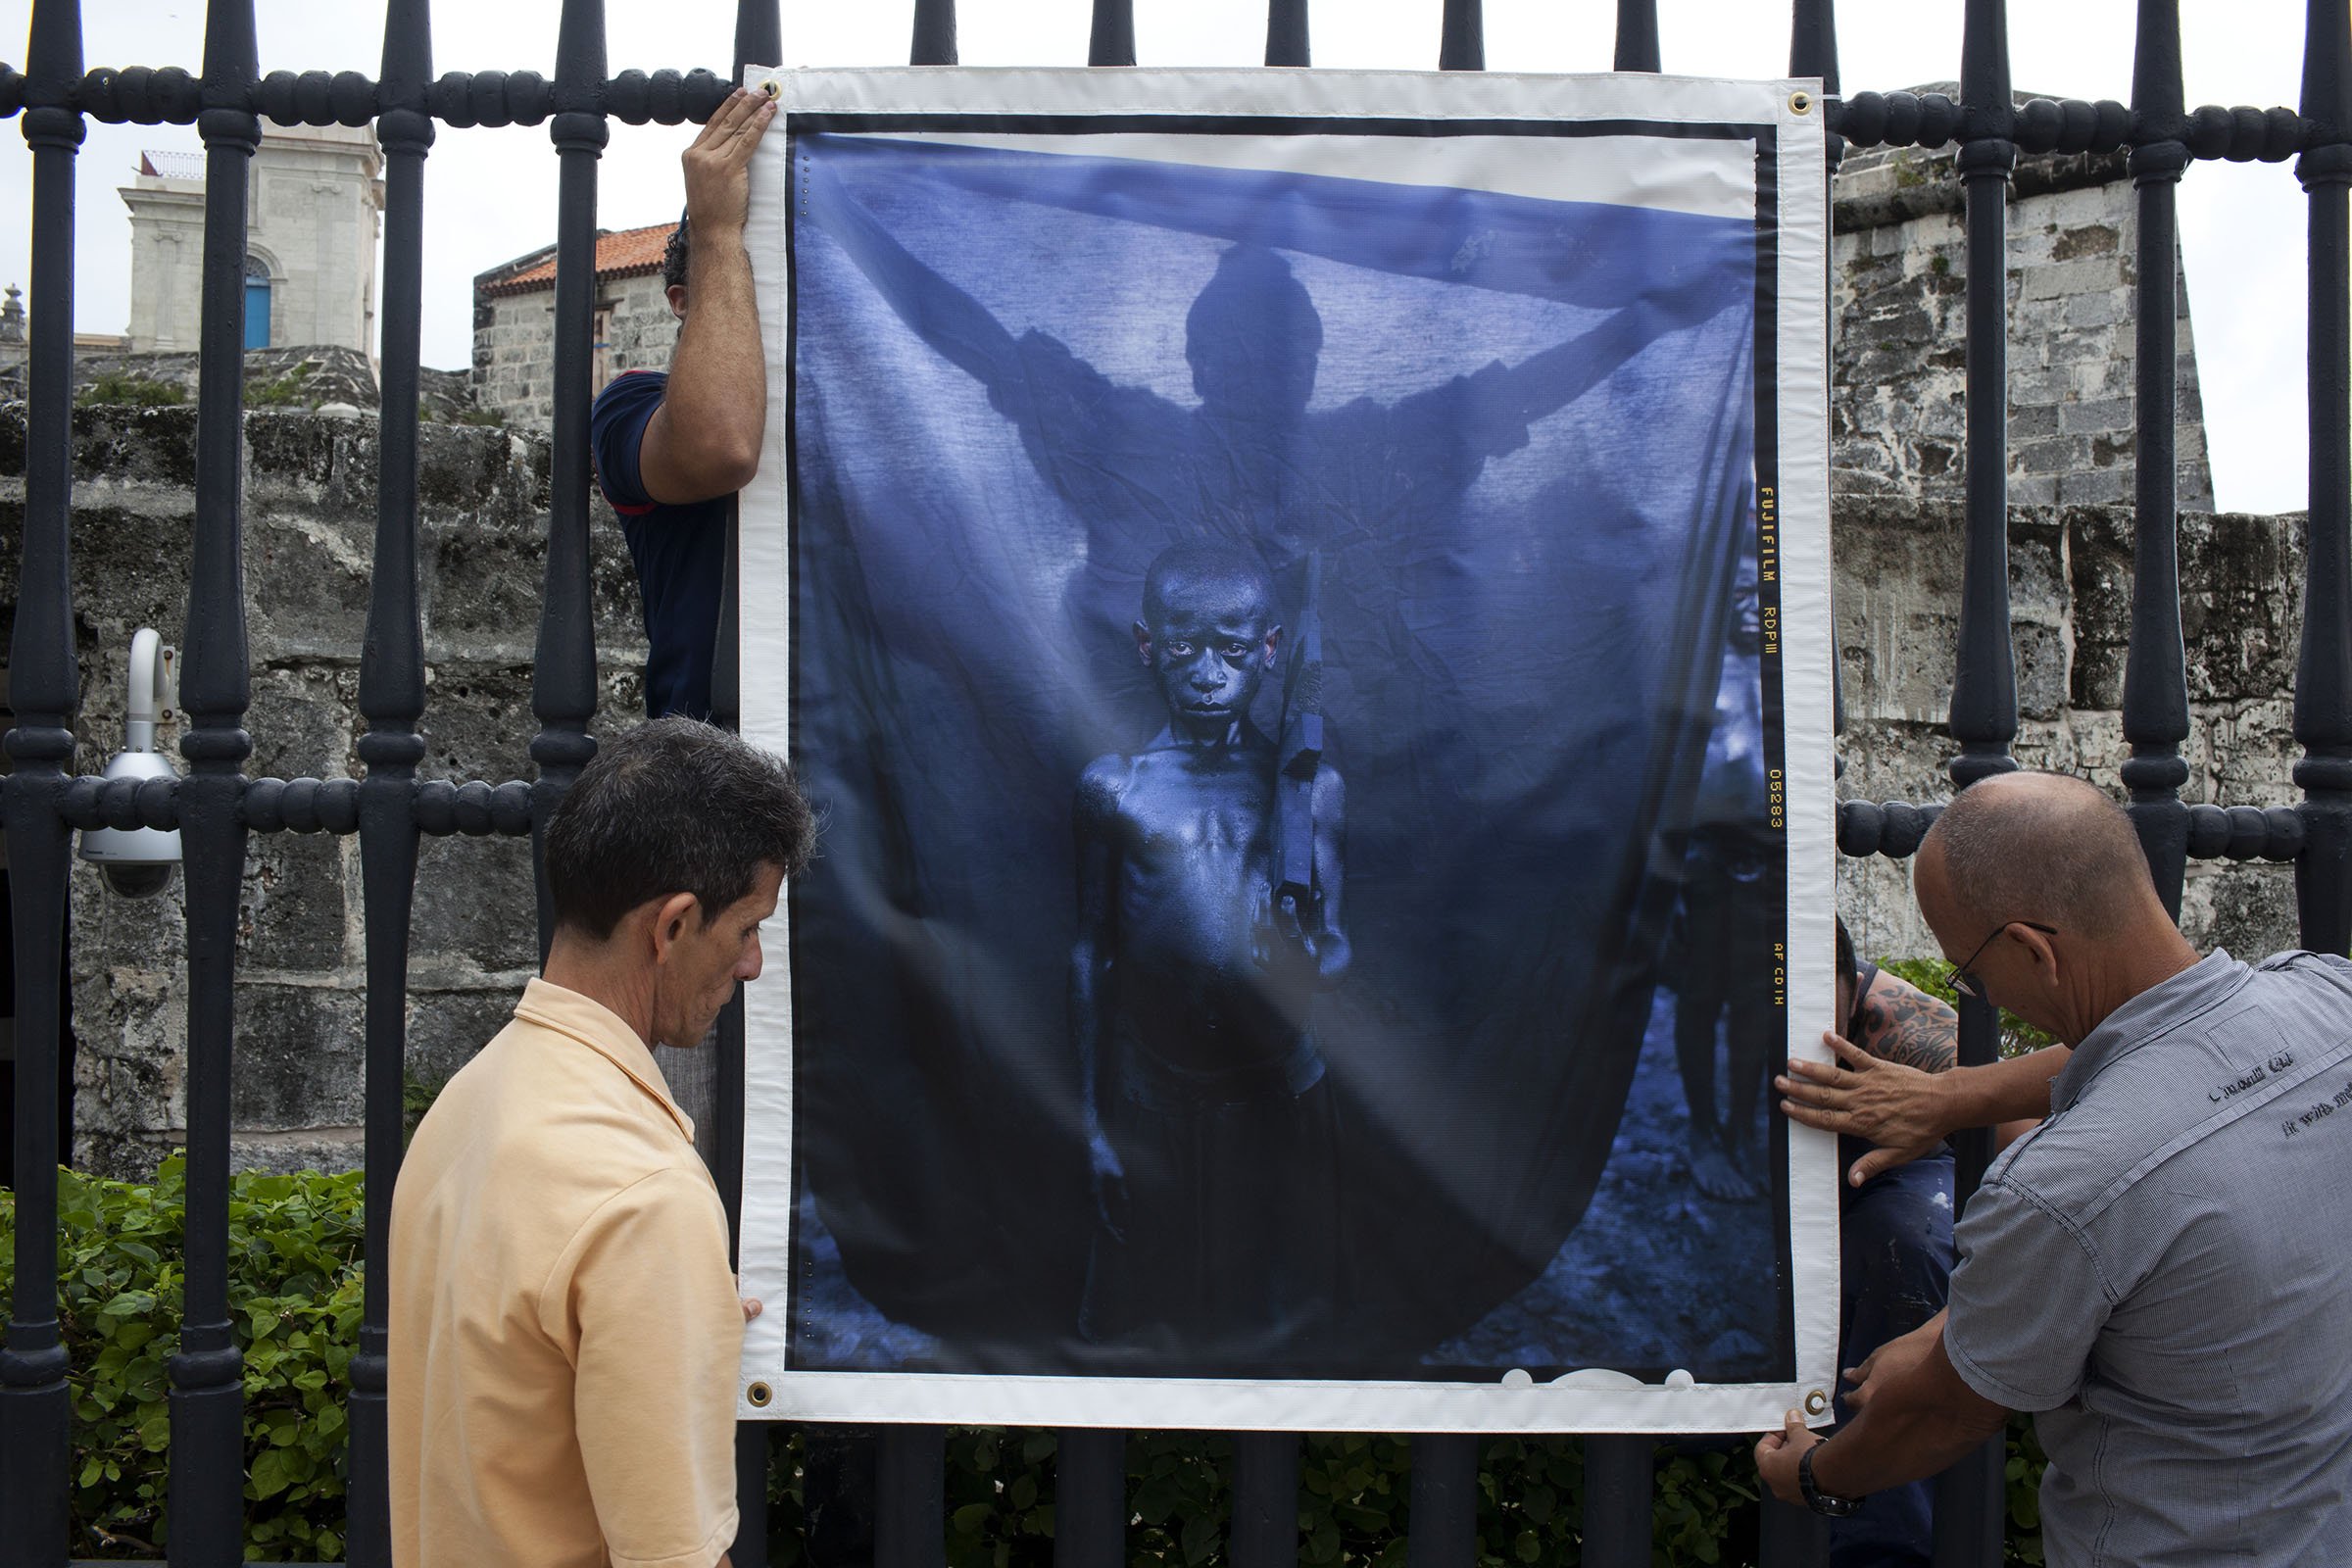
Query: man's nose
<point x="1205" y="676"/>
<point x="752" y="961"/>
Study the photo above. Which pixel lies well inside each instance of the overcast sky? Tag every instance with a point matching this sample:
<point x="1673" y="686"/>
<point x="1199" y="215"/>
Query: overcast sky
<point x="491" y="194"/>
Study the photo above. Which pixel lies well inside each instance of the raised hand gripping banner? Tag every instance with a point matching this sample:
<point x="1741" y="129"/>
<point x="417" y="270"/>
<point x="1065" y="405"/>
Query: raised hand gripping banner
<point x="1301" y="600"/>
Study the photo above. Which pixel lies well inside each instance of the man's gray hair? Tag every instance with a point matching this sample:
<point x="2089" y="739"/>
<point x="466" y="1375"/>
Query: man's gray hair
<point x="2047" y="848"/>
<point x="672" y="806"/>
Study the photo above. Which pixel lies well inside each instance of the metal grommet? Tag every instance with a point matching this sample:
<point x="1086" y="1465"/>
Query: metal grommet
<point x="771" y="86"/>
<point x="758" y="1394"/>
<point x="1816" y="1402"/>
<point x="1802" y="103"/>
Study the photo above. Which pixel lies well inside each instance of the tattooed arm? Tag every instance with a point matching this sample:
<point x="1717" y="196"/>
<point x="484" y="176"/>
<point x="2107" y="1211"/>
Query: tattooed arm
<point x="1904" y="1025"/>
<point x="1897" y="1086"/>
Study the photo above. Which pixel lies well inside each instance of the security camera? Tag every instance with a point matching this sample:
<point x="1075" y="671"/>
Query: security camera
<point x="138" y="861"/>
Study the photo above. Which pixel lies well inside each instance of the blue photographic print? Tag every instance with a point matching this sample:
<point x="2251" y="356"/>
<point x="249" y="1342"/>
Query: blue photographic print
<point x="1286" y="659"/>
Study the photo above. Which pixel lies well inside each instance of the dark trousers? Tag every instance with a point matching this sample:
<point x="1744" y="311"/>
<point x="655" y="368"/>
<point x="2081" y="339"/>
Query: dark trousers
<point x="1896" y="1254"/>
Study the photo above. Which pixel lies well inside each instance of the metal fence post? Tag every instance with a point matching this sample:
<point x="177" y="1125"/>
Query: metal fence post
<point x="563" y="674"/>
<point x="2324" y="674"/>
<point x="45" y="688"/>
<point x="1286" y="33"/>
<point x="2155" y="674"/>
<point x="1463" y="36"/>
<point x="1090" y="1497"/>
<point x="934" y="33"/>
<point x="1265" y="1500"/>
<point x="1637" y="35"/>
<point x="208" y="1405"/>
<point x="392" y="701"/>
<point x="1984" y="682"/>
<point x="1112" y="40"/>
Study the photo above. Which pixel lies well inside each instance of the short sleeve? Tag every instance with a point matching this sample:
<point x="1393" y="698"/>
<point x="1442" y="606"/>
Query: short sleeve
<point x="659" y="1335"/>
<point x="616" y="424"/>
<point x="2027" y="1301"/>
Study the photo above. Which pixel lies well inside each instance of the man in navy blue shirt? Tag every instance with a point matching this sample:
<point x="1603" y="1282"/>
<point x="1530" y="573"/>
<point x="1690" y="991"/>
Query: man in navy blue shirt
<point x="671" y="450"/>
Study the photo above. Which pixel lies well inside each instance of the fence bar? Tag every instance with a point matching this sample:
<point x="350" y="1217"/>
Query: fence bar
<point x="1813" y="46"/>
<point x="1636" y="35"/>
<point x="45" y="690"/>
<point x="934" y="33"/>
<point x="1462" y="44"/>
<point x="2324" y="674"/>
<point x="1090" y="1497"/>
<point x="1286" y="33"/>
<point x="1617" y="1503"/>
<point x="759" y="41"/>
<point x="392" y="701"/>
<point x="1985" y="681"/>
<point x="1789" y="1537"/>
<point x="1112" y="41"/>
<point x="563" y="676"/>
<point x="910" y="1526"/>
<point x="1265" y="1500"/>
<point x="1442" y="1521"/>
<point x="208" y="1415"/>
<point x="2156" y="674"/>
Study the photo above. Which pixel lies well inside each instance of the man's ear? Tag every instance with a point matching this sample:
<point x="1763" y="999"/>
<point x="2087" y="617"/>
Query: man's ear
<point x="2038" y="950"/>
<point x="1143" y="644"/>
<point x="1273" y="644"/>
<point x="675" y="919"/>
<point x="676" y="295"/>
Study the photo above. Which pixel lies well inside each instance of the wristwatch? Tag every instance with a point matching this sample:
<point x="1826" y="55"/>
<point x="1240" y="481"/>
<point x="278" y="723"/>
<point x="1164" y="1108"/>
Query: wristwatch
<point x="1822" y="1502"/>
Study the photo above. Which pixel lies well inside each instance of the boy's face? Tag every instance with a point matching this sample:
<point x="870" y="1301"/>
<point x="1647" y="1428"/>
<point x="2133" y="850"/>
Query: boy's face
<point x="1208" y="648"/>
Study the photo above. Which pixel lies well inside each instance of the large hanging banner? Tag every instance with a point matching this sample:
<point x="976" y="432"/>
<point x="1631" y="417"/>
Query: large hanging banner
<point x="1301" y="600"/>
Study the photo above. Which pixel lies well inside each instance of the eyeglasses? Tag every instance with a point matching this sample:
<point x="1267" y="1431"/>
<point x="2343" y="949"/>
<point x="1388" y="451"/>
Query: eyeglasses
<point x="1957" y="976"/>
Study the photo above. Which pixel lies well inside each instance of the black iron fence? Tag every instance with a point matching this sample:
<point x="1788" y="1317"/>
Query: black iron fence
<point x="217" y="806"/>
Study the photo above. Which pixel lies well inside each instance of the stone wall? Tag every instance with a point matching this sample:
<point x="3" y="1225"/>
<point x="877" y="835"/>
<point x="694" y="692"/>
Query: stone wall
<point x="1899" y="297"/>
<point x="514" y="344"/>
<point x="310" y="517"/>
<point x="1898" y="565"/>
<point x="310" y="521"/>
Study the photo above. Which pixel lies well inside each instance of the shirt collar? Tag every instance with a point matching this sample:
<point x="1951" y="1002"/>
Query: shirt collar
<point x="2195" y="990"/>
<point x="601" y="1030"/>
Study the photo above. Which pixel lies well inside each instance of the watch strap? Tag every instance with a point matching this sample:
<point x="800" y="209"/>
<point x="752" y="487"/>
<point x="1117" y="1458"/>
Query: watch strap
<point x="1828" y="1504"/>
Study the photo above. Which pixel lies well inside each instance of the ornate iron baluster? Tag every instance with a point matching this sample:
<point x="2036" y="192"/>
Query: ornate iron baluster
<point x="1265" y="1500"/>
<point x="1111" y="42"/>
<point x="45" y="687"/>
<point x="2156" y="675"/>
<point x="1462" y="39"/>
<point x="563" y="676"/>
<point x="1090" y="1497"/>
<point x="1286" y="33"/>
<point x="910" y="1527"/>
<point x="207" y="1437"/>
<point x="1636" y="35"/>
<point x="392" y="701"/>
<point x="2324" y="674"/>
<point x="934" y="33"/>
<point x="1984" y="682"/>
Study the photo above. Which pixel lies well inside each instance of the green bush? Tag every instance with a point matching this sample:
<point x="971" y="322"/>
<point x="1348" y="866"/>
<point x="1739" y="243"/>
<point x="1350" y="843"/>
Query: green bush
<point x="294" y="1297"/>
<point x="115" y="389"/>
<point x="282" y="392"/>
<point x="2017" y="1037"/>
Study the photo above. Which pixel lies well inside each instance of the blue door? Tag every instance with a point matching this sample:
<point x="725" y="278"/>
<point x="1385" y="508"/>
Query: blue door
<point x="257" y="313"/>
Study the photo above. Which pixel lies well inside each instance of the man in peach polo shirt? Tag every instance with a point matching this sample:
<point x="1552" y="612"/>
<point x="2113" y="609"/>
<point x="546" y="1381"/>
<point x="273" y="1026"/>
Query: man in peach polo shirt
<point x="564" y="1327"/>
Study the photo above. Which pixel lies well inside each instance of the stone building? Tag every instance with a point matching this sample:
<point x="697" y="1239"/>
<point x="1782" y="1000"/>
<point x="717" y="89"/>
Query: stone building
<point x="314" y="204"/>
<point x="514" y="323"/>
<point x="1897" y="542"/>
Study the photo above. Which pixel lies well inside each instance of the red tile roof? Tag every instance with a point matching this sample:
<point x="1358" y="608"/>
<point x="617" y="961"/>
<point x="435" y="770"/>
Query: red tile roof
<point x="627" y="253"/>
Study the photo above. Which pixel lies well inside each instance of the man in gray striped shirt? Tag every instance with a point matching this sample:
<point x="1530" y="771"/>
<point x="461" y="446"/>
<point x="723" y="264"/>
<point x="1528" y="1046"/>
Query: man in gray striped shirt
<point x="2153" y="1272"/>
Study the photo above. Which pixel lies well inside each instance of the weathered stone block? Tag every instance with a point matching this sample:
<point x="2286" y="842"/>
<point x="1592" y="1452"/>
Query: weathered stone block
<point x="475" y="905"/>
<point x="300" y="1057"/>
<point x="290" y="910"/>
<point x="446" y="1028"/>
